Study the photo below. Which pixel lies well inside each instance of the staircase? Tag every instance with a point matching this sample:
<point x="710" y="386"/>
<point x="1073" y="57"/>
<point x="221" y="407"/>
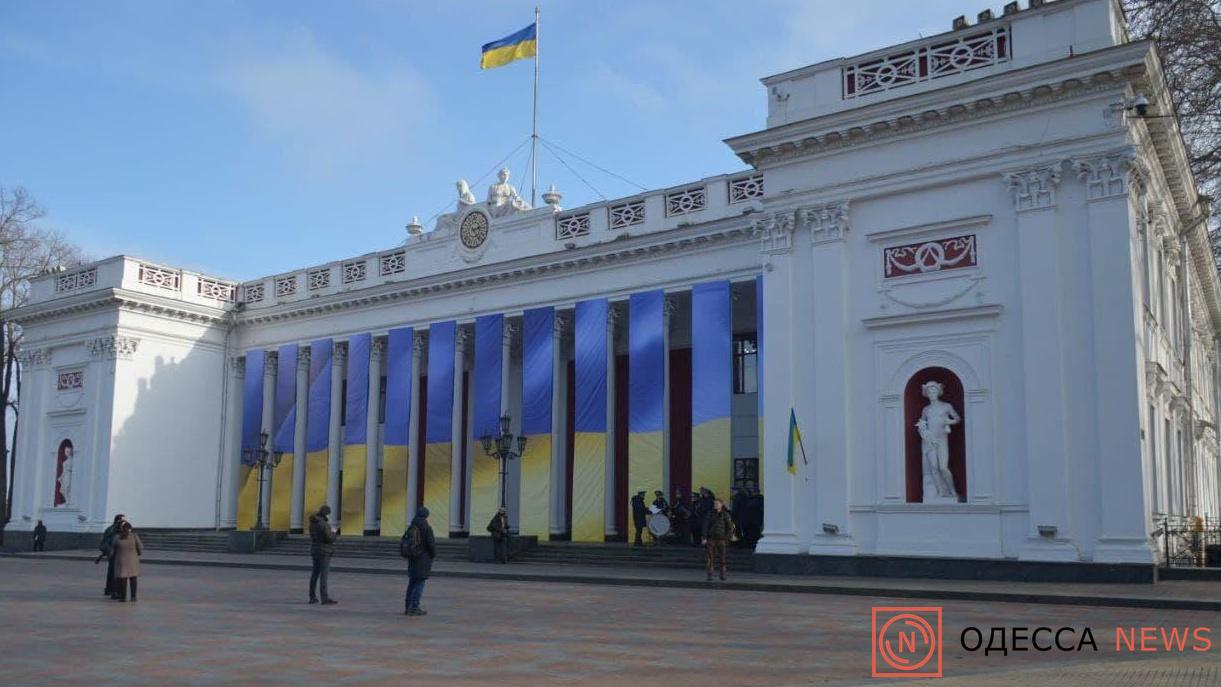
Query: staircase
<point x="622" y="555"/>
<point x="366" y="547"/>
<point x="202" y="541"/>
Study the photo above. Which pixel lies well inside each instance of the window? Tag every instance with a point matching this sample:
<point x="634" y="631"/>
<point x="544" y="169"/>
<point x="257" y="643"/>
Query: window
<point x="745" y="364"/>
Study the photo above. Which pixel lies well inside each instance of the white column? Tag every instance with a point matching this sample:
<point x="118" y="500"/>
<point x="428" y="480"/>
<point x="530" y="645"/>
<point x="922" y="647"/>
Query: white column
<point x="780" y="530"/>
<point x="297" y="503"/>
<point x="667" y="308"/>
<point x="269" y="394"/>
<point x="457" y="483"/>
<point x="1040" y="283"/>
<point x="373" y="462"/>
<point x="414" y="450"/>
<point x="828" y="439"/>
<point x="612" y="317"/>
<point x="334" y="439"/>
<point x="559" y="426"/>
<point x="232" y="443"/>
<point x="1118" y="362"/>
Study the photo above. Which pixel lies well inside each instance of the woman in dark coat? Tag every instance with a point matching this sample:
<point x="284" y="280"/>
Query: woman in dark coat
<point x="419" y="565"/>
<point x="127" y="550"/>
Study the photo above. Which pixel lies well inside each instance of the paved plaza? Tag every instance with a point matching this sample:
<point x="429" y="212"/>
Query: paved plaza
<point x="234" y="626"/>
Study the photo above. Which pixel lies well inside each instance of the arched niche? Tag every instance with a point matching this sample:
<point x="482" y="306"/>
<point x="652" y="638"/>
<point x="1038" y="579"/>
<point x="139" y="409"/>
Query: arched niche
<point x="913" y="403"/>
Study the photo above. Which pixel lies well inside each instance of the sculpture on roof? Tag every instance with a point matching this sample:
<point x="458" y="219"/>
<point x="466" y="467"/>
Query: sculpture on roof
<point x="502" y="197"/>
<point x="465" y="197"/>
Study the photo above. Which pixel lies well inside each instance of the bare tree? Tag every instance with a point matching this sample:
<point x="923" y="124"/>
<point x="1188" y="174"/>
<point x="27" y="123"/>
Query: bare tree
<point x="1188" y="37"/>
<point x="26" y="251"/>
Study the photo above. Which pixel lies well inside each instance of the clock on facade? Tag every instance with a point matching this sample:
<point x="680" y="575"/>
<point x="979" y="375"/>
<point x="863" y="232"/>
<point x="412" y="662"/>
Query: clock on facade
<point x="474" y="229"/>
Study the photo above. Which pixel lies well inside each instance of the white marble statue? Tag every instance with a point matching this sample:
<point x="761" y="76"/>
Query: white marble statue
<point x="502" y="197"/>
<point x="465" y="197"/>
<point x="65" y="478"/>
<point x="936" y="421"/>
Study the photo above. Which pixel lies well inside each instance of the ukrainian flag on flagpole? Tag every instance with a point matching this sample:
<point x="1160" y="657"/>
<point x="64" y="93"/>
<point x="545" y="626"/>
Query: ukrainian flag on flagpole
<point x="794" y="443"/>
<point x="515" y="46"/>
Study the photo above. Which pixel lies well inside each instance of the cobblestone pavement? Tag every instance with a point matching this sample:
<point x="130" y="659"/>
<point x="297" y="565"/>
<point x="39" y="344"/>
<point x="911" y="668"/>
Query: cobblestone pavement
<point x="206" y="626"/>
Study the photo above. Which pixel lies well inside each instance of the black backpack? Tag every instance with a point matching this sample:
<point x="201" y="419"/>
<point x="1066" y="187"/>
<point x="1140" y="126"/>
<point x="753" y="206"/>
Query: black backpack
<point x="412" y="543"/>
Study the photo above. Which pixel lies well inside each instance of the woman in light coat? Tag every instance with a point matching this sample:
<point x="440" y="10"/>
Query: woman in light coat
<point x="126" y="553"/>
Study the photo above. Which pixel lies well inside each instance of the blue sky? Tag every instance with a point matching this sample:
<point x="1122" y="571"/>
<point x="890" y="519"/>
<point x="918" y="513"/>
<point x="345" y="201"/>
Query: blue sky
<point x="248" y="138"/>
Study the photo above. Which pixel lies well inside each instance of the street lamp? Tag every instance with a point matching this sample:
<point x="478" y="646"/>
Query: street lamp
<point x="266" y="460"/>
<point x="501" y="447"/>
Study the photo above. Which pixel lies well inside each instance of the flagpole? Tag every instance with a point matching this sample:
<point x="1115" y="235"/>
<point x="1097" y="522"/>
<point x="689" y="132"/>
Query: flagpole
<point x="534" y="126"/>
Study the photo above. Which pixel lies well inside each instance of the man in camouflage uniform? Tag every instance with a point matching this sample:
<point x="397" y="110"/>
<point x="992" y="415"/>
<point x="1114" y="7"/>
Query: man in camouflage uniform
<point x="718" y="529"/>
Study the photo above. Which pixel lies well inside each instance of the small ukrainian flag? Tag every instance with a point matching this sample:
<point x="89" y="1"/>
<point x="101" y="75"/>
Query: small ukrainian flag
<point x="515" y="46"/>
<point x="795" y="442"/>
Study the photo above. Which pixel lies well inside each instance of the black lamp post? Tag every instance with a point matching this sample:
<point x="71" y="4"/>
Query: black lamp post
<point x="266" y="460"/>
<point x="501" y="448"/>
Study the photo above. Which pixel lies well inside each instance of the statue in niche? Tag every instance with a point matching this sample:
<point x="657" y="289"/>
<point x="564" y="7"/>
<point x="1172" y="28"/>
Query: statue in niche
<point x="465" y="197"/>
<point x="936" y="421"/>
<point x="502" y="197"/>
<point x="63" y="480"/>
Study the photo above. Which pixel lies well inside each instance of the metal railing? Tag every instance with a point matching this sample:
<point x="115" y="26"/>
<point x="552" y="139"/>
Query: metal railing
<point x="1189" y="541"/>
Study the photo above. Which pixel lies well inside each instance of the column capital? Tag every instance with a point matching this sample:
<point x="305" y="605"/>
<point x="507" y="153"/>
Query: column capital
<point x="1034" y="188"/>
<point x="271" y="360"/>
<point x="668" y="308"/>
<point x="827" y="222"/>
<point x="613" y="316"/>
<point x="237" y="365"/>
<point x="35" y="357"/>
<point x="303" y="355"/>
<point x="1109" y="175"/>
<point x="460" y="336"/>
<point x="340" y="353"/>
<point x="378" y="349"/>
<point x="563" y="322"/>
<point x="775" y="230"/>
<point x="419" y="344"/>
<point x="111" y="347"/>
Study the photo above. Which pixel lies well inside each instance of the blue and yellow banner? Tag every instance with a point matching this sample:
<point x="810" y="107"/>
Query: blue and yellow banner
<point x="515" y="46"/>
<point x="711" y="388"/>
<point x="355" y="439"/>
<point x="395" y="457"/>
<point x="283" y="441"/>
<point x="538" y="367"/>
<point x="486" y="388"/>
<point x="795" y="444"/>
<point x="759" y="369"/>
<point x="589" y="445"/>
<point x="252" y="426"/>
<point x="438" y="434"/>
<point x="318" y="425"/>
<point x="646" y="392"/>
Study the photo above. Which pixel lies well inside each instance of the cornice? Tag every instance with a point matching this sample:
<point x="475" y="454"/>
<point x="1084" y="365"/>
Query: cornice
<point x="621" y="251"/>
<point x="1000" y="94"/>
<point x="121" y="299"/>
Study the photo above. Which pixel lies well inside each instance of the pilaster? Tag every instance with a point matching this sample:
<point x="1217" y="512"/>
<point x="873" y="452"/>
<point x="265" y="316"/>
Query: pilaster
<point x="297" y="502"/>
<point x="458" y="485"/>
<point x="339" y="363"/>
<point x="418" y="348"/>
<point x="373" y="462"/>
<point x="559" y="425"/>
<point x="613" y="316"/>
<point x="269" y="396"/>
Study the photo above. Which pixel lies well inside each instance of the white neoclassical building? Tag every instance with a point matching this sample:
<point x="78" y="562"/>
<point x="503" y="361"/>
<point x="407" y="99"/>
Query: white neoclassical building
<point x="970" y="268"/>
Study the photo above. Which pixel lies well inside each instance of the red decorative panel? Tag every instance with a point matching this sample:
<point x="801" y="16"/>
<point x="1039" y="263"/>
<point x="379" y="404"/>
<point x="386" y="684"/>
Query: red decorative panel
<point x="930" y="256"/>
<point x="68" y="381"/>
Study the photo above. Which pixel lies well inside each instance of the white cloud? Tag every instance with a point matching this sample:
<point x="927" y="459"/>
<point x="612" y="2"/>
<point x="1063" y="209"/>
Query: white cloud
<point x="325" y="111"/>
<point x="634" y="93"/>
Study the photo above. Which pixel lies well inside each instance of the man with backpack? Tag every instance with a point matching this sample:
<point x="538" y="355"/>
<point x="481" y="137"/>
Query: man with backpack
<point x="419" y="547"/>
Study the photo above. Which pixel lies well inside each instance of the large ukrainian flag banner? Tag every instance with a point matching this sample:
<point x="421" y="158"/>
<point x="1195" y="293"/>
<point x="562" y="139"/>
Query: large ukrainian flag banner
<point x="759" y="368"/>
<point x="515" y="46"/>
<point x="395" y="463"/>
<point x="318" y="425"/>
<point x="355" y="439"/>
<point x="711" y="387"/>
<point x="589" y="445"/>
<point x="485" y="472"/>
<point x="538" y="365"/>
<point x="438" y="450"/>
<point x="284" y="438"/>
<point x="646" y="391"/>
<point x="252" y="426"/>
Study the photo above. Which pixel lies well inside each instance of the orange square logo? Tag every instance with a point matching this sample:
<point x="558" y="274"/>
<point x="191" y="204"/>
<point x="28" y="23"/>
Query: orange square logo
<point x="906" y="641"/>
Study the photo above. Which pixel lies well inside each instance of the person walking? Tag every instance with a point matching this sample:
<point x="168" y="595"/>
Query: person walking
<point x="419" y="547"/>
<point x="718" y="528"/>
<point x="321" y="548"/>
<point x="640" y="516"/>
<point x="106" y="549"/>
<point x="40" y="536"/>
<point x="126" y="550"/>
<point x="499" y="527"/>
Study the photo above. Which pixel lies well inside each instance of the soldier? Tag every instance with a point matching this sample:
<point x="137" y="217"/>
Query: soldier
<point x="718" y="529"/>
